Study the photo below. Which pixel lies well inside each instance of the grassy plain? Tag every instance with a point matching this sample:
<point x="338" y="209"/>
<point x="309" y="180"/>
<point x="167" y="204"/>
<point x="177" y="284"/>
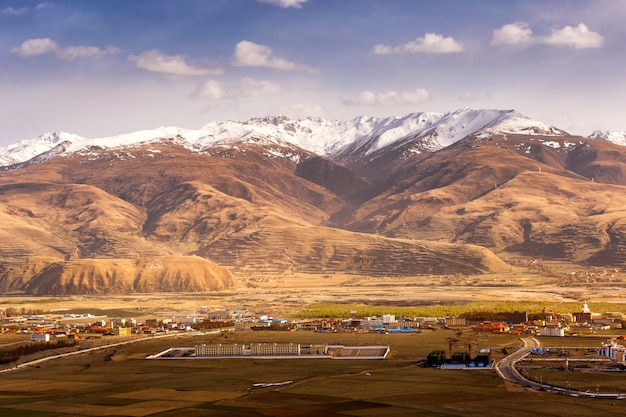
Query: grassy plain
<point x="301" y="294"/>
<point x="120" y="382"/>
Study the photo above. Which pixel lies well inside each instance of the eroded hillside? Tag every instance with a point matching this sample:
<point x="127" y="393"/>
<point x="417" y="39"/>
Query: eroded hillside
<point x="161" y="217"/>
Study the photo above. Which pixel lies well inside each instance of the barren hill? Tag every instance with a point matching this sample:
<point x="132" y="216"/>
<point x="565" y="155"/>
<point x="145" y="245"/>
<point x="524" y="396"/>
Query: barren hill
<point x="51" y="276"/>
<point x="509" y="194"/>
<point x="162" y="216"/>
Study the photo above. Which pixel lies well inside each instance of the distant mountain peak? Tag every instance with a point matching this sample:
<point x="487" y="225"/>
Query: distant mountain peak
<point x="613" y="136"/>
<point x="335" y="139"/>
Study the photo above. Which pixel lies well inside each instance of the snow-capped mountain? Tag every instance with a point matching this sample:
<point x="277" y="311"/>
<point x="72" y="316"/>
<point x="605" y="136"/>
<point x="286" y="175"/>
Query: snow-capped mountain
<point x="616" y="137"/>
<point x="427" y="193"/>
<point x="330" y="138"/>
<point x="25" y="150"/>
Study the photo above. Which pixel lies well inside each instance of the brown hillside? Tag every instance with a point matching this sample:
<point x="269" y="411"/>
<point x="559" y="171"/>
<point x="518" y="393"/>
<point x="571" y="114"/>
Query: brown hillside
<point x="139" y="175"/>
<point x="70" y="221"/>
<point x="113" y="276"/>
<point x="450" y="177"/>
<point x="500" y="195"/>
<point x="331" y="176"/>
<point x="258" y="208"/>
<point x="277" y="249"/>
<point x="101" y="213"/>
<point x="600" y="161"/>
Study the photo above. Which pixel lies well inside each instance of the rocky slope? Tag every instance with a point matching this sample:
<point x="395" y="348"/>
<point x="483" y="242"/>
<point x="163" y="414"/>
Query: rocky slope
<point x="425" y="194"/>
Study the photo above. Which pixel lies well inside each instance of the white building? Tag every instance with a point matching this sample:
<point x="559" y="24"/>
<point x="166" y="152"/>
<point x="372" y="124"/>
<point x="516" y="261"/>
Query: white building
<point x="372" y="321"/>
<point x="219" y="349"/>
<point x="613" y="351"/>
<point x="552" y="331"/>
<point x="275" y="349"/>
<point x="39" y="337"/>
<point x="388" y="318"/>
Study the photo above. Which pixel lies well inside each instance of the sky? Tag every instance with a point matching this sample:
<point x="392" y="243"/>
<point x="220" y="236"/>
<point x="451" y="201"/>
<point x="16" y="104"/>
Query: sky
<point x="101" y="68"/>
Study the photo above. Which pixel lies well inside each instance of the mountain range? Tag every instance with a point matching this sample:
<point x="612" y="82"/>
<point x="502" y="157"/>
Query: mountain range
<point x="172" y="209"/>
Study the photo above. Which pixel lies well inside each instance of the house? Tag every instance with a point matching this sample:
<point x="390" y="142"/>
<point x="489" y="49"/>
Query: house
<point x="613" y="351"/>
<point x="552" y="330"/>
<point x="39" y="337"/>
<point x="490" y="327"/>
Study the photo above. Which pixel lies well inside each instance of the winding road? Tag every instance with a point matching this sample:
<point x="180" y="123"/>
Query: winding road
<point x="83" y="351"/>
<point x="505" y="368"/>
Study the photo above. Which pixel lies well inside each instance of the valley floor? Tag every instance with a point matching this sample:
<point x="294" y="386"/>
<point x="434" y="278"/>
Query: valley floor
<point x="287" y="295"/>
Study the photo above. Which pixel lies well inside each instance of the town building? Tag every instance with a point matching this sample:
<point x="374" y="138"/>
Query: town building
<point x="455" y="321"/>
<point x="39" y="337"/>
<point x="552" y="331"/>
<point x="408" y="324"/>
<point x="484" y="356"/>
<point x="613" y="351"/>
<point x="388" y="318"/>
<point x="583" y="316"/>
<point x="220" y="349"/>
<point x="275" y="349"/>
<point x="490" y="327"/>
<point x="517" y="317"/>
<point x="122" y="331"/>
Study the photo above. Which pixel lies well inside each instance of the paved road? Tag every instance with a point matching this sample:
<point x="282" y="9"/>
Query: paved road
<point x="506" y="370"/>
<point x="506" y="367"/>
<point x="82" y="351"/>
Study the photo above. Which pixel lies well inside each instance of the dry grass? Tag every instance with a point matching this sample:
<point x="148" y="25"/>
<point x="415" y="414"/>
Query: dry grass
<point x="254" y="215"/>
<point x="91" y="385"/>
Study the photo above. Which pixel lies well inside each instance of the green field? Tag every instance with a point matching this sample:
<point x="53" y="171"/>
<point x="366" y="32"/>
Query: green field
<point x="120" y="382"/>
<point x="483" y="309"/>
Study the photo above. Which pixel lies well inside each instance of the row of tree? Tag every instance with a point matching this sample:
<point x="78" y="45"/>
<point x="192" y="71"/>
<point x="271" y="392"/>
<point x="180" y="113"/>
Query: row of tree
<point x="20" y="312"/>
<point x="14" y="354"/>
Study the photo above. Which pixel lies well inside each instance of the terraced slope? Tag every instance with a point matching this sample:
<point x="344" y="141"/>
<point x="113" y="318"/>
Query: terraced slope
<point x="161" y="217"/>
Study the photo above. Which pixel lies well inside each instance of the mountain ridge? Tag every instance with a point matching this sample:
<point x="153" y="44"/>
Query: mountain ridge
<point x="614" y="136"/>
<point x="332" y="139"/>
<point x="90" y="217"/>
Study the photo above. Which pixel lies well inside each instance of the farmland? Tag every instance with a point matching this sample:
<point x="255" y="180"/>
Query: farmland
<point x="119" y="381"/>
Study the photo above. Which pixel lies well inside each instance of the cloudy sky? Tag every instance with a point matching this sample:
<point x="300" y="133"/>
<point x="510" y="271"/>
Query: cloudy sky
<point x="99" y="68"/>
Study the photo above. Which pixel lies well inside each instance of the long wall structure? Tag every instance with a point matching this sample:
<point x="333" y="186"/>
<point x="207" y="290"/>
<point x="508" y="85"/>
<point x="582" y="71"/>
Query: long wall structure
<point x="273" y="351"/>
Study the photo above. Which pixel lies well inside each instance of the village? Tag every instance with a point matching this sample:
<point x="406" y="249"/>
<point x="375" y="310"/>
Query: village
<point x="53" y="327"/>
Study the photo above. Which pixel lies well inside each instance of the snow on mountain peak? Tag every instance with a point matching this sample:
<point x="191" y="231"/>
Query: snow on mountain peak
<point x="27" y="149"/>
<point x="613" y="136"/>
<point x="331" y="138"/>
<point x="515" y="122"/>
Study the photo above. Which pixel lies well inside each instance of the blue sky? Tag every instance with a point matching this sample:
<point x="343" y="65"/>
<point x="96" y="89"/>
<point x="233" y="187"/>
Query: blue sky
<point x="99" y="68"/>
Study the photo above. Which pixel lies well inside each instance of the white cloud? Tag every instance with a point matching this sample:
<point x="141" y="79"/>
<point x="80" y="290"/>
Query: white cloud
<point x="247" y="87"/>
<point x="431" y="43"/>
<point x="469" y="97"/>
<point x="511" y="34"/>
<point x="250" y="54"/>
<point x="285" y="3"/>
<point x="10" y="11"/>
<point x="250" y="87"/>
<point x="33" y="47"/>
<point x="303" y="110"/>
<point x="390" y="98"/>
<point x="579" y="37"/>
<point x="156" y="61"/>
<point x="42" y="46"/>
<point x="70" y="53"/>
<point x="209" y="90"/>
